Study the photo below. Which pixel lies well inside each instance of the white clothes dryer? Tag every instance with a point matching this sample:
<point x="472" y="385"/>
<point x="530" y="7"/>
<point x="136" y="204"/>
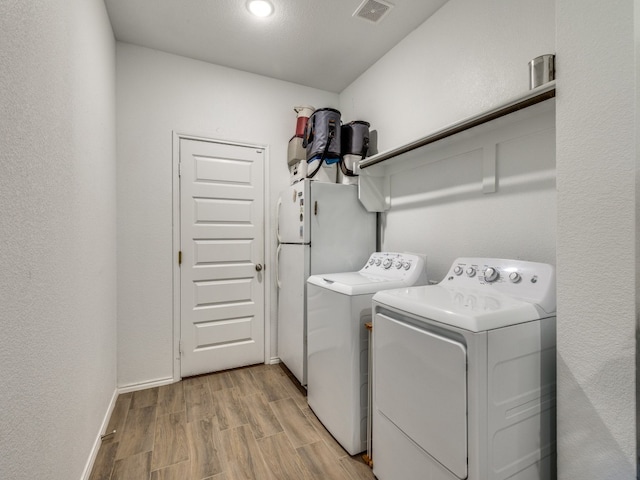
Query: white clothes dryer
<point x="338" y="306"/>
<point x="464" y="375"/>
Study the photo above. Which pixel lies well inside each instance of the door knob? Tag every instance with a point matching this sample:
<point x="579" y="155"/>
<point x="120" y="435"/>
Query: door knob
<point x="258" y="267"/>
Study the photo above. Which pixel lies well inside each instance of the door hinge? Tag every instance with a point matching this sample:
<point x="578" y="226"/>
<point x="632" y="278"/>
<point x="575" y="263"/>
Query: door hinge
<point x="180" y="257"/>
<point x="180" y="347"/>
<point x="179" y="169"/>
<point x="315" y="208"/>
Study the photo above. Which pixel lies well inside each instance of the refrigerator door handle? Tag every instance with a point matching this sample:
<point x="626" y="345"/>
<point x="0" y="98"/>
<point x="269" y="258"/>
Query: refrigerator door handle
<point x="278" y="205"/>
<point x="278" y="284"/>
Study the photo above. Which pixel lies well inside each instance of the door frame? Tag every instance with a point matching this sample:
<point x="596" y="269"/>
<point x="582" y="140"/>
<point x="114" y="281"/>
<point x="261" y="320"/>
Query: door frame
<point x="175" y="220"/>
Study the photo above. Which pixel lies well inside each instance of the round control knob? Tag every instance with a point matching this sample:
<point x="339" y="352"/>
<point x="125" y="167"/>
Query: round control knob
<point x="378" y="262"/>
<point x="371" y="261"/>
<point x="387" y="262"/>
<point x="458" y="270"/>
<point x="515" y="277"/>
<point x="491" y="274"/>
<point x="406" y="265"/>
<point x="471" y="272"/>
<point x="398" y="264"/>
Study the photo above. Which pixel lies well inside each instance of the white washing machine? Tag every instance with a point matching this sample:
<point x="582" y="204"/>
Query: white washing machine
<point x="464" y="375"/>
<point x="338" y="306"/>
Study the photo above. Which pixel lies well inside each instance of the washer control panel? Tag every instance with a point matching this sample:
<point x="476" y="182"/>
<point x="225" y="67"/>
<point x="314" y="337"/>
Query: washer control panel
<point x="530" y="281"/>
<point x="400" y="266"/>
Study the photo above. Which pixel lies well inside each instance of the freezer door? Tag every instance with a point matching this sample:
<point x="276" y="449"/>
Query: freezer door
<point x="293" y="270"/>
<point x="292" y="214"/>
<point x="343" y="233"/>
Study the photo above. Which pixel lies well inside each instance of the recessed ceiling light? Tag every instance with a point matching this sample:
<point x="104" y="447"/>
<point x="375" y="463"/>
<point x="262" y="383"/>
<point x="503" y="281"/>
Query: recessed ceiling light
<point x="260" y="8"/>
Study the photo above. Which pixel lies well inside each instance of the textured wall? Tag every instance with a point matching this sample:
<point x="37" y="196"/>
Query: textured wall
<point x="160" y="93"/>
<point x="57" y="231"/>
<point x="468" y="57"/>
<point x="636" y="30"/>
<point x="596" y="246"/>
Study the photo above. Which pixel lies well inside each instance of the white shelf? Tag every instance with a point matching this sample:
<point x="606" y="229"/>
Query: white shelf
<point x="479" y="131"/>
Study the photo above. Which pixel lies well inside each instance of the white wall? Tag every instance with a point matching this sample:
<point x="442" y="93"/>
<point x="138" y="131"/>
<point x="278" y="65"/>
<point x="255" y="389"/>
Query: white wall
<point x="468" y="57"/>
<point x="57" y="231"/>
<point x="636" y="25"/>
<point x="472" y="55"/>
<point x="597" y="165"/>
<point x="157" y="94"/>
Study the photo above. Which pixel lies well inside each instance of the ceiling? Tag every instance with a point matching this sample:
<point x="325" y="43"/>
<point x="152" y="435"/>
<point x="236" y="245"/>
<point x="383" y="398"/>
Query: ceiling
<point x="317" y="43"/>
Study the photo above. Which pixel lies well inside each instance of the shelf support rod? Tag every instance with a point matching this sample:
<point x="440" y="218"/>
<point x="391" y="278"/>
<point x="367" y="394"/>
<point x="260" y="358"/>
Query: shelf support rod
<point x="533" y="97"/>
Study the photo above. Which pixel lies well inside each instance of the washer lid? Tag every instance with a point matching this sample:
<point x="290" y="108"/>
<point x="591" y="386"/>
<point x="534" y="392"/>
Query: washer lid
<point x="470" y="309"/>
<point x="354" y="283"/>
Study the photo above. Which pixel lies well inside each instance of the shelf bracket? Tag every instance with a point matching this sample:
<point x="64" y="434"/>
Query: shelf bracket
<point x="374" y="192"/>
<point x="489" y="179"/>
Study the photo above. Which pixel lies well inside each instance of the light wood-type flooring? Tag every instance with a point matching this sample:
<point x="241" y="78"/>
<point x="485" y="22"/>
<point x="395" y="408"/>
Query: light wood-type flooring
<point x="249" y="423"/>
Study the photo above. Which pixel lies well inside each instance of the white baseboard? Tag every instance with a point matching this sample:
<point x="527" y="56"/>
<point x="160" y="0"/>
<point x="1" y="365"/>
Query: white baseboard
<point x="105" y="421"/>
<point x="98" y="441"/>
<point x="141" y="386"/>
<point x="125" y="389"/>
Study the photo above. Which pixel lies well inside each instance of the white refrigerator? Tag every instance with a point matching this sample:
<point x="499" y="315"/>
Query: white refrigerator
<point x="322" y="228"/>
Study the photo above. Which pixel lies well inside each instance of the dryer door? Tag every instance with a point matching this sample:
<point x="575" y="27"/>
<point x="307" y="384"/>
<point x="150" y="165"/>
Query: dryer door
<point x="420" y="384"/>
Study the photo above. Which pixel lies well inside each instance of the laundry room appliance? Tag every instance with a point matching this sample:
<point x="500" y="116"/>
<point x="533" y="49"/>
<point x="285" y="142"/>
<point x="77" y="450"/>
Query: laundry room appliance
<point x="296" y="153"/>
<point x="338" y="306"/>
<point x="464" y="375"/>
<point x="322" y="227"/>
<point x="354" y="138"/>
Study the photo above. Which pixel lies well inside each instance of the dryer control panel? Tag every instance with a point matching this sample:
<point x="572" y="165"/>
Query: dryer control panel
<point x="409" y="267"/>
<point x="530" y="281"/>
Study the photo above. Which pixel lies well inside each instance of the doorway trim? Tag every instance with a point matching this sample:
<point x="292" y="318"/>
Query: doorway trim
<point x="175" y="248"/>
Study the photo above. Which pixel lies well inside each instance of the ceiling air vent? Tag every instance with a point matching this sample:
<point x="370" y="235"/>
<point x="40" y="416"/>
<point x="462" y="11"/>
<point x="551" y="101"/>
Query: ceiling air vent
<point x="373" y="10"/>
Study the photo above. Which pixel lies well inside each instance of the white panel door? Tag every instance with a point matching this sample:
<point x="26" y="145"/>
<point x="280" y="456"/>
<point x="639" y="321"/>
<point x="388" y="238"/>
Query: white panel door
<point x="222" y="244"/>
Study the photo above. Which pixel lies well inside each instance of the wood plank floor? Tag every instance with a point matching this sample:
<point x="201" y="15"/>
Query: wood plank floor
<point x="248" y="423"/>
